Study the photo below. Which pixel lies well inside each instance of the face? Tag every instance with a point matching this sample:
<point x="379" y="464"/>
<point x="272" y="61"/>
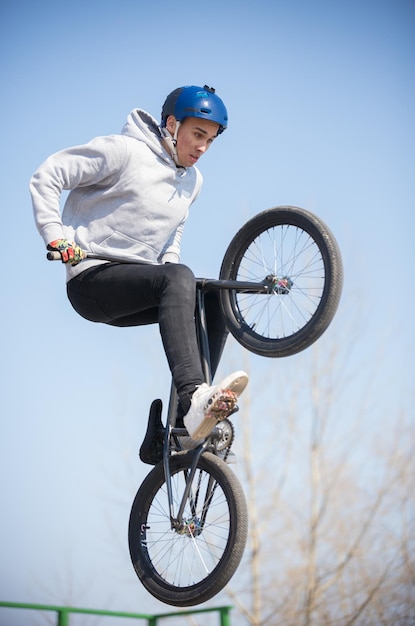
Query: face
<point x="195" y="136"/>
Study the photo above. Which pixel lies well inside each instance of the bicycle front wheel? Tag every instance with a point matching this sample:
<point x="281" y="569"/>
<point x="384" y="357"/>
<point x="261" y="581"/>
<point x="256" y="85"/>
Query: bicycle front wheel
<point x="295" y="255"/>
<point x="190" y="563"/>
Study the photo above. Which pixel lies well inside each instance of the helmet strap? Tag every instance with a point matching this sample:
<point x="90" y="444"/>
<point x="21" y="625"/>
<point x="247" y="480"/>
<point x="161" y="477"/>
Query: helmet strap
<point x="171" y="141"/>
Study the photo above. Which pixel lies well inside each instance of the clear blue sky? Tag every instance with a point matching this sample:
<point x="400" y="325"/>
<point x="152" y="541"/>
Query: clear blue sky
<point x="321" y="104"/>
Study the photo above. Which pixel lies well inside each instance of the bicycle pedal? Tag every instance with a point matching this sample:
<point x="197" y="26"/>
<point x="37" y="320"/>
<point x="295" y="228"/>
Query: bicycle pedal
<point x="222" y="406"/>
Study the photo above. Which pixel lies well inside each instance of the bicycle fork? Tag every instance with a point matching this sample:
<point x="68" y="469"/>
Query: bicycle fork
<point x="176" y="518"/>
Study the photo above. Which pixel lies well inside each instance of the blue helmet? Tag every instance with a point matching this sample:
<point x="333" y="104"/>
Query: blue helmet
<point x="192" y="101"/>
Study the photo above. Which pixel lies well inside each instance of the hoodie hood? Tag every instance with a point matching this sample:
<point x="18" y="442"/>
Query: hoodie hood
<point x="142" y="126"/>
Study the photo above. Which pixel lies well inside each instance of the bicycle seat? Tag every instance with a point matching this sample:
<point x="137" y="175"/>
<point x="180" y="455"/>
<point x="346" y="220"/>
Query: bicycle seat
<point x="151" y="450"/>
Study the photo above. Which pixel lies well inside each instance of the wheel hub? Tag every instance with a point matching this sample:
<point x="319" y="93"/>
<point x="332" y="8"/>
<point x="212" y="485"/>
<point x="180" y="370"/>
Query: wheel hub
<point x="280" y="286"/>
<point x="191" y="527"/>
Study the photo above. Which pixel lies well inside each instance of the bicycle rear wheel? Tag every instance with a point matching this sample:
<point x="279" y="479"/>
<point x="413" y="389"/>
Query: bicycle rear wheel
<point x="190" y="564"/>
<point x="296" y="256"/>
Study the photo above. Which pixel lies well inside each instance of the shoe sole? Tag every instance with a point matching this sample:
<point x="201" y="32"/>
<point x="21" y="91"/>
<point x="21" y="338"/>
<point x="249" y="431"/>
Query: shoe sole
<point x="236" y="385"/>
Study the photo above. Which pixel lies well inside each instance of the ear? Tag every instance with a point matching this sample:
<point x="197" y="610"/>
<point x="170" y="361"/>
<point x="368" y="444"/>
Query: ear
<point x="171" y="124"/>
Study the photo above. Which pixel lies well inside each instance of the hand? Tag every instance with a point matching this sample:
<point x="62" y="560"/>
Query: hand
<point x="70" y="252"/>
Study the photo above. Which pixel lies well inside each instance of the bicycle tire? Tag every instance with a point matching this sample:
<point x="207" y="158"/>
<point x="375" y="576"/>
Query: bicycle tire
<point x="191" y="566"/>
<point x="297" y="256"/>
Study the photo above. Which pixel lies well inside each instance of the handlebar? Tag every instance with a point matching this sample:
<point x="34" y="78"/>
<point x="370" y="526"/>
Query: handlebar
<point x="205" y="284"/>
<point x="55" y="255"/>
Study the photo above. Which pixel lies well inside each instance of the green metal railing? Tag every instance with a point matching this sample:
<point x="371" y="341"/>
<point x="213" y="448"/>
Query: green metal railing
<point x="63" y="613"/>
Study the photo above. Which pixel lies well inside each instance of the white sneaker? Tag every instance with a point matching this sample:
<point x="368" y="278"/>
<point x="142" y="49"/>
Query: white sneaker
<point x="212" y="404"/>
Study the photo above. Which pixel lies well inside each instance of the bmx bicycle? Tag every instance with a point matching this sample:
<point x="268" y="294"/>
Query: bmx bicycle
<point x="279" y="286"/>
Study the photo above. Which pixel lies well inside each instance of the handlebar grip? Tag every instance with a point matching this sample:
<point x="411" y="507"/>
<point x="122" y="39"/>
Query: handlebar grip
<point x="54" y="256"/>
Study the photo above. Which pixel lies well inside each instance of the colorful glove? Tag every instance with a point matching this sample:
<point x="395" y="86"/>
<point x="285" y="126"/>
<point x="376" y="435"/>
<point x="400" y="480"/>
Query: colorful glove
<point x="70" y="252"/>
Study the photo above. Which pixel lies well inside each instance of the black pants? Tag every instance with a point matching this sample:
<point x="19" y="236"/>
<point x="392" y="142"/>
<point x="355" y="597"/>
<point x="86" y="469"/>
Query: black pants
<point x="122" y="294"/>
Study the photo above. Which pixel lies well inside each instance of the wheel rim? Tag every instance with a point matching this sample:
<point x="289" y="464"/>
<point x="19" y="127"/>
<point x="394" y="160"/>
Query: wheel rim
<point x="290" y="262"/>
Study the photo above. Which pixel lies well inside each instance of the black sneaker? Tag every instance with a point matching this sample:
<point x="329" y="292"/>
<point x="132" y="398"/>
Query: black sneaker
<point x="151" y="451"/>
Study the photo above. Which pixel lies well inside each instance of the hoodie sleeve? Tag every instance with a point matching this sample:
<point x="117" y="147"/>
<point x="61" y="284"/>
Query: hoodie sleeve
<point x="95" y="163"/>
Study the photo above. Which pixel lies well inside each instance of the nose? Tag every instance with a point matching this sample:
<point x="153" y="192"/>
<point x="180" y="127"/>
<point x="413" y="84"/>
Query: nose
<point x="202" y="147"/>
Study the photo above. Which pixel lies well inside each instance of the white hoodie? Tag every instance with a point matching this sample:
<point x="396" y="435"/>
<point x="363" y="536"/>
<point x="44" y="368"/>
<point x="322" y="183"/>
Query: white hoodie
<point x="127" y="196"/>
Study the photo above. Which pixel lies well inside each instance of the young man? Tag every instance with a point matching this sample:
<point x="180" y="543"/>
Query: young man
<point x="129" y="197"/>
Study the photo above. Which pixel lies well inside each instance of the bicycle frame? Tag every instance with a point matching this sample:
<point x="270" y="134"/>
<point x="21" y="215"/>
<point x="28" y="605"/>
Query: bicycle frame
<point x="202" y="285"/>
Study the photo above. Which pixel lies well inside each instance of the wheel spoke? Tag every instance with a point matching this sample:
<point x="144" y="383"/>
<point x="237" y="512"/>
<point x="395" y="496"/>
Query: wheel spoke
<point x="282" y="251"/>
<point x="187" y="556"/>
